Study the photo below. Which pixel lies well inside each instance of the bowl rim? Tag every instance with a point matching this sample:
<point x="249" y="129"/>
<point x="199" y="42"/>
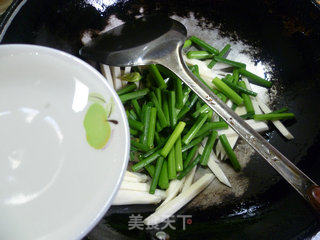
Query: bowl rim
<point x="61" y="54"/>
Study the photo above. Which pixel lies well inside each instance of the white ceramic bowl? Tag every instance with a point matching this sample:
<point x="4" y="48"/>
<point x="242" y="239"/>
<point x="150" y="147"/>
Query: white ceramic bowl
<point x="53" y="184"/>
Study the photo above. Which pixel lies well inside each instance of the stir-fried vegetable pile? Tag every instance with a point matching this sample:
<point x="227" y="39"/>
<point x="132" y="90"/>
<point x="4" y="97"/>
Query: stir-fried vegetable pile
<point x="173" y="131"/>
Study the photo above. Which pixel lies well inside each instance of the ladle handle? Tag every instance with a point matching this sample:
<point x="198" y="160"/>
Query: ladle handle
<point x="302" y="183"/>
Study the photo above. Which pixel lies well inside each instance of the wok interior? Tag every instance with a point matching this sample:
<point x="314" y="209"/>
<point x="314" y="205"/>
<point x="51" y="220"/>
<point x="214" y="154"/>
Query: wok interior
<point x="251" y="192"/>
<point x="282" y="39"/>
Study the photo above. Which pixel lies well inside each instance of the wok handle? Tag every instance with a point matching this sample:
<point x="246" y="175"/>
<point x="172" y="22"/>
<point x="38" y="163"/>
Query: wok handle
<point x="314" y="197"/>
<point x="301" y="182"/>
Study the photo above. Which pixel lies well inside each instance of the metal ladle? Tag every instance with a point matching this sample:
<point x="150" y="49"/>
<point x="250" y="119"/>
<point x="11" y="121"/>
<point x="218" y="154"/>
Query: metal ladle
<point x="158" y="39"/>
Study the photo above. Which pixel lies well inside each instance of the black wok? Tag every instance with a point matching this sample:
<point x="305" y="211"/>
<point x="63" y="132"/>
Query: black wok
<point x="283" y="36"/>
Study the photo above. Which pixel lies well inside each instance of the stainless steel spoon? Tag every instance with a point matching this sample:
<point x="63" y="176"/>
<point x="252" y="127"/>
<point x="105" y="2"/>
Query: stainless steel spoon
<point x="158" y="39"/>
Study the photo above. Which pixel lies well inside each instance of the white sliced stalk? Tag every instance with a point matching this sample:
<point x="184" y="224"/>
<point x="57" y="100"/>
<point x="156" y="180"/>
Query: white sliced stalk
<point x="232" y="140"/>
<point x="203" y="69"/>
<point x="257" y="126"/>
<point x="282" y="129"/>
<point x="116" y="74"/>
<point x="222" y="67"/>
<point x="135" y="186"/>
<point x="215" y="117"/>
<point x="215" y="168"/>
<point x="219" y="149"/>
<point x="229" y="103"/>
<point x="178" y="202"/>
<point x="161" y="193"/>
<point x="141" y="176"/>
<point x="206" y="73"/>
<point x="255" y="104"/>
<point x="204" y="141"/>
<point x="123" y="83"/>
<point x="232" y="136"/>
<point x="105" y="70"/>
<point x="241" y="110"/>
<point x="132" y="179"/>
<point x="189" y="179"/>
<point x="127" y="70"/>
<point x="219" y="68"/>
<point x="174" y="188"/>
<point x="128" y="197"/>
<point x="142" y="187"/>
